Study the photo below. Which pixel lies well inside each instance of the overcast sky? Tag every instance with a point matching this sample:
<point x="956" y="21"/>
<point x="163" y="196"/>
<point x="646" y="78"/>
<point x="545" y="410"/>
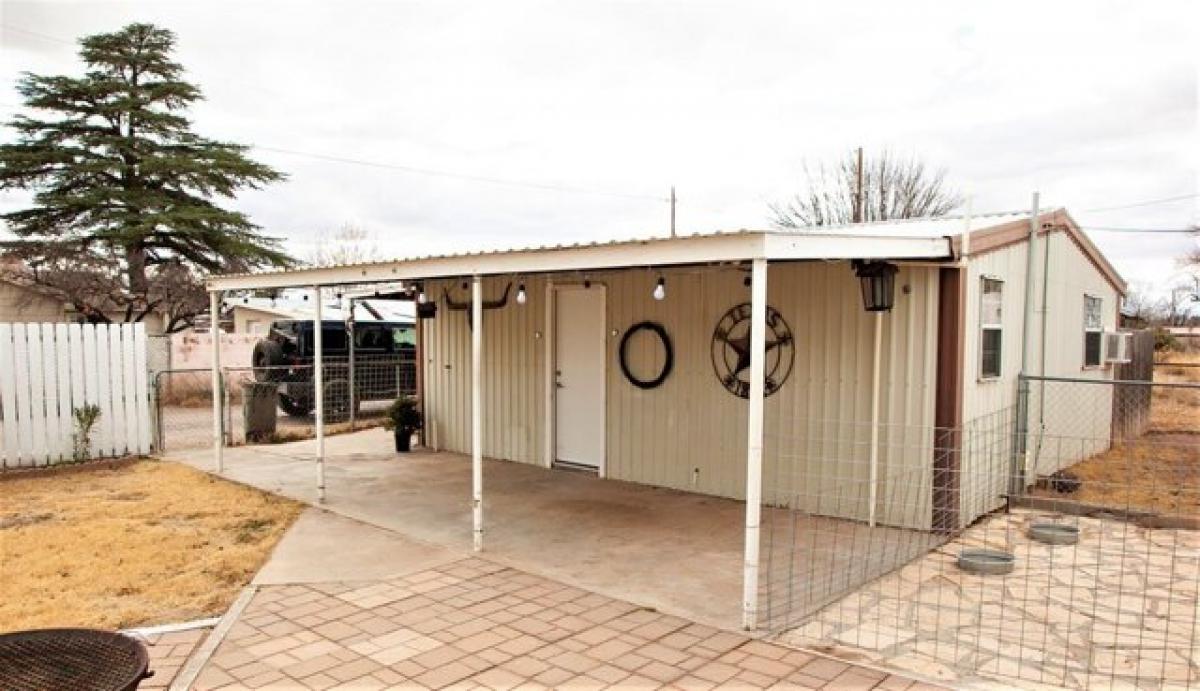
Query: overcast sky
<point x="1094" y="104"/>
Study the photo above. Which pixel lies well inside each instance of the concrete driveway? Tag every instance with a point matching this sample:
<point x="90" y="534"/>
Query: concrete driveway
<point x="674" y="551"/>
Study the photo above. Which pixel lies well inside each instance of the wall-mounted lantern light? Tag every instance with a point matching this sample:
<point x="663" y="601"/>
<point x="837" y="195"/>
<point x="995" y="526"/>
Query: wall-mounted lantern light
<point x="660" y="289"/>
<point x="878" y="283"/>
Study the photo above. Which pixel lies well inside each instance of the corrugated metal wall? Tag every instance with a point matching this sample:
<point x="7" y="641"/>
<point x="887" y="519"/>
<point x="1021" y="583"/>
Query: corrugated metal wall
<point x="690" y="433"/>
<point x="1077" y="419"/>
<point x="1074" y="412"/>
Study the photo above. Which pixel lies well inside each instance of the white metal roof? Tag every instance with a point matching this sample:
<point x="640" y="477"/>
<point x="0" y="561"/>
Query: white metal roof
<point x="942" y="226"/>
<point x="660" y="251"/>
<point x="922" y="238"/>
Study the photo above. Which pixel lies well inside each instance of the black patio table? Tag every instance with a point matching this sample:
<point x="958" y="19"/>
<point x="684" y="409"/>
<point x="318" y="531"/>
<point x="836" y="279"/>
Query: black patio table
<point x="70" y="659"/>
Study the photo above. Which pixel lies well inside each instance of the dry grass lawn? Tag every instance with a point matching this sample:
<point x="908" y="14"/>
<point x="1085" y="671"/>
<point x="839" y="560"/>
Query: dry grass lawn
<point x="1177" y="410"/>
<point x="1160" y="472"/>
<point x="129" y="543"/>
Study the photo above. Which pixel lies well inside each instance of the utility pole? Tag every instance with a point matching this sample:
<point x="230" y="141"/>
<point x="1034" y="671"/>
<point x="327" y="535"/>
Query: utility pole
<point x="672" y="210"/>
<point x="858" y="190"/>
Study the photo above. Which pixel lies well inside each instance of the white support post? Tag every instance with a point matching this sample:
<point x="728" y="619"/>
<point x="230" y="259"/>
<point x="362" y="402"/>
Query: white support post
<point x="754" y="441"/>
<point x="214" y="329"/>
<point x="477" y="410"/>
<point x="319" y="390"/>
<point x="873" y="488"/>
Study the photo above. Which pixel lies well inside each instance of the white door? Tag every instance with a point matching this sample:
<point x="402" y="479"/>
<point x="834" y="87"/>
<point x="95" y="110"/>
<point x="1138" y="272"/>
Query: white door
<point x="579" y="376"/>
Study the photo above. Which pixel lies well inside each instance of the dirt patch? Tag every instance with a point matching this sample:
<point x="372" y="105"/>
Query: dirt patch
<point x="20" y="519"/>
<point x="286" y="435"/>
<point x="132" y="544"/>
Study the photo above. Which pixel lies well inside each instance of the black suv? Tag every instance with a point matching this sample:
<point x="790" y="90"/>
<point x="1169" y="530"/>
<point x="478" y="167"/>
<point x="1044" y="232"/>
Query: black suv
<point x="384" y="364"/>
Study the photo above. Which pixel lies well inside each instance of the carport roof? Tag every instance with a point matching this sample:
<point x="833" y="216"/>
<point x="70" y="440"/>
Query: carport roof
<point x="914" y="239"/>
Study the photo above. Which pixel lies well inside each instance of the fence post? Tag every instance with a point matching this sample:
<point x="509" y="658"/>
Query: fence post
<point x="1020" y="441"/>
<point x="227" y="401"/>
<point x="158" y="412"/>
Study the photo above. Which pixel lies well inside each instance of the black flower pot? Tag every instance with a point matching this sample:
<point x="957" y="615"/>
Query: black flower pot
<point x="403" y="439"/>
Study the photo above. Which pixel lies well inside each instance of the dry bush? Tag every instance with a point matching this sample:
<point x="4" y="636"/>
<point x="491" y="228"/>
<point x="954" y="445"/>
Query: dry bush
<point x="128" y="544"/>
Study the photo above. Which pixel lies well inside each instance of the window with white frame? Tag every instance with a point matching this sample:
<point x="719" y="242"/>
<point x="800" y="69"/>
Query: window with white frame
<point x="1093" y="331"/>
<point x="991" y="327"/>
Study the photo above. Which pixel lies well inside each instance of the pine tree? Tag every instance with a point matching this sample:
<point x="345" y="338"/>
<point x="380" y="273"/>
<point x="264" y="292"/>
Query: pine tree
<point x="122" y="186"/>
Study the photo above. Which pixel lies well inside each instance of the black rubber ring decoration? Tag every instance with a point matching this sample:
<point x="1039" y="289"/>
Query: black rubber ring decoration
<point x="667" y="365"/>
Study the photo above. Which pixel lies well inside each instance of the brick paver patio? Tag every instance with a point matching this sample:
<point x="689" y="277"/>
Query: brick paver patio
<point x="476" y="624"/>
<point x="168" y="652"/>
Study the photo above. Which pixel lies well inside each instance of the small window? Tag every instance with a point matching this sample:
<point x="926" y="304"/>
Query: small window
<point x="1093" y="331"/>
<point x="991" y="327"/>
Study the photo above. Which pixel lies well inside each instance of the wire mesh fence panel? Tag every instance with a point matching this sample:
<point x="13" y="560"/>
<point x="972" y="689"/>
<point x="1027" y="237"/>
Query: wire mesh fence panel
<point x="184" y="400"/>
<point x="183" y="412"/>
<point x="1059" y="547"/>
<point x="356" y="393"/>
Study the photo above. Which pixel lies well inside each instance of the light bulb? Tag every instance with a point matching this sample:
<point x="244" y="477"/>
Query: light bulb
<point x="660" y="289"/>
<point x="521" y="294"/>
<point x="421" y="297"/>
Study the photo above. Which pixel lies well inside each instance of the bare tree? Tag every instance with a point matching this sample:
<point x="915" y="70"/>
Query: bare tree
<point x="1140" y="305"/>
<point x="100" y="294"/>
<point x="893" y="187"/>
<point x="349" y="244"/>
<point x="1177" y="308"/>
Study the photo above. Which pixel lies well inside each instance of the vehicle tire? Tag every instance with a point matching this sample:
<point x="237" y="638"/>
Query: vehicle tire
<point x="295" y="407"/>
<point x="268" y="361"/>
<point x="337" y="401"/>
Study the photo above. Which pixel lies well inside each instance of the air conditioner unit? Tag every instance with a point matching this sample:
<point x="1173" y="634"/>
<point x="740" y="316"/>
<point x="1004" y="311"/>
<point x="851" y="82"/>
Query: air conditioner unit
<point x="1117" y="346"/>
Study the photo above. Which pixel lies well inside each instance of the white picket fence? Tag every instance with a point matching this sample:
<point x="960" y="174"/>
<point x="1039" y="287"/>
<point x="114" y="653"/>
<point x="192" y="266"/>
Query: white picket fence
<point x="47" y="371"/>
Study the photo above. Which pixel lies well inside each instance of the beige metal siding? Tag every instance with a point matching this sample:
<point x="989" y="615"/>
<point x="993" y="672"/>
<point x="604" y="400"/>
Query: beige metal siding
<point x="690" y="433"/>
<point x="1075" y="419"/>
<point x="513" y="370"/>
<point x="988" y="404"/>
<point x="1073" y="412"/>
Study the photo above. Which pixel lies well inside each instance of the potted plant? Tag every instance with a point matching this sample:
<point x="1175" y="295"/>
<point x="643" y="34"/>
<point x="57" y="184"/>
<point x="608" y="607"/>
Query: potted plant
<point x="403" y="419"/>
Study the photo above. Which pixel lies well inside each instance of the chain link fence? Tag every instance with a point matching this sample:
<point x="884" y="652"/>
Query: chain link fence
<point x="1060" y="547"/>
<point x="183" y="399"/>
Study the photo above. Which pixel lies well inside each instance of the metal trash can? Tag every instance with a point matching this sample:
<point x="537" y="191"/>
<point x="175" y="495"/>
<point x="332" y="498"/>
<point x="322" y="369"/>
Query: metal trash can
<point x="259" y="401"/>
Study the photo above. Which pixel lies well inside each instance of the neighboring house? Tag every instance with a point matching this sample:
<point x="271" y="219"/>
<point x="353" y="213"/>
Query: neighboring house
<point x="24" y="301"/>
<point x="254" y="317"/>
<point x="632" y="359"/>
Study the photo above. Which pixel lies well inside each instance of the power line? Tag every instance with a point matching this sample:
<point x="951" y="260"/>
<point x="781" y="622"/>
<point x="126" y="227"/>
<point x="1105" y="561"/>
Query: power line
<point x="546" y="187"/>
<point x="1145" y="203"/>
<point x="37" y="34"/>
<point x="1109" y="229"/>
